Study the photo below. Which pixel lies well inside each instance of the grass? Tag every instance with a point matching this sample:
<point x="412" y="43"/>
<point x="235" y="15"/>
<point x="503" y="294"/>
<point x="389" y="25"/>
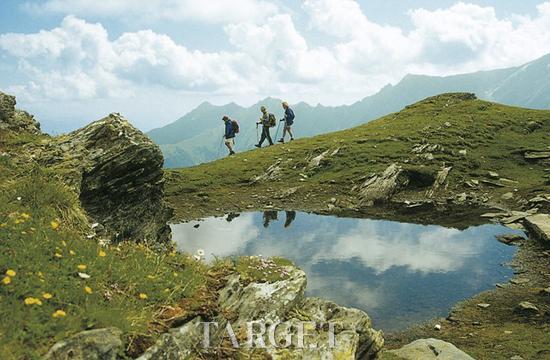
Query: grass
<point x="57" y="279"/>
<point x="494" y="137"/>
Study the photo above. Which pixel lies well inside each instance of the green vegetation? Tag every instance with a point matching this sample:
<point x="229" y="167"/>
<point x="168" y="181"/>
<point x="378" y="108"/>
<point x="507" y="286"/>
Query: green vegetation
<point x="195" y="137"/>
<point x="494" y="138"/>
<point x="57" y="280"/>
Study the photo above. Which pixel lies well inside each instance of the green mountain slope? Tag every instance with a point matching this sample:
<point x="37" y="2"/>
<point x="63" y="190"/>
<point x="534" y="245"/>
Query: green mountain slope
<point x="196" y="137"/>
<point x="486" y="145"/>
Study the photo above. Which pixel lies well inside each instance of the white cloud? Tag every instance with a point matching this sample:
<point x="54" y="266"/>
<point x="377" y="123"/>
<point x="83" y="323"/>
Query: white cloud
<point x="211" y="11"/>
<point x="269" y="57"/>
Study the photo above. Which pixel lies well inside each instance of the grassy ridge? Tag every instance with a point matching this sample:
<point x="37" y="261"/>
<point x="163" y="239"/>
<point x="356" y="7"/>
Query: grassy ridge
<point x="493" y="136"/>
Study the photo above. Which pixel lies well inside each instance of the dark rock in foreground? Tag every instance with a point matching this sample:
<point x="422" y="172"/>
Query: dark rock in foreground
<point x="114" y="167"/>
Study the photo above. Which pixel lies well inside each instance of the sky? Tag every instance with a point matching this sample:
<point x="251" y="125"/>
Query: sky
<point x="70" y="62"/>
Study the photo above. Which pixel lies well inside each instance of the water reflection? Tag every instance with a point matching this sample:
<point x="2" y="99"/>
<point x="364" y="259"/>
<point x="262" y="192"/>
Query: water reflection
<point x="399" y="273"/>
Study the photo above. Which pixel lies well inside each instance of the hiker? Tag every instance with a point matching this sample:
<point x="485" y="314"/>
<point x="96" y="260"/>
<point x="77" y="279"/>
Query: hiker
<point x="268" y="121"/>
<point x="290" y="216"/>
<point x="289" y="120"/>
<point x="231" y="129"/>
<point x="270" y="215"/>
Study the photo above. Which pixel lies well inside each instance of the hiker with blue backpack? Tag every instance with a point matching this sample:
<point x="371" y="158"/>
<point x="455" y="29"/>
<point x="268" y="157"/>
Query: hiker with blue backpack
<point x="267" y="120"/>
<point x="231" y="130"/>
<point x="289" y="120"/>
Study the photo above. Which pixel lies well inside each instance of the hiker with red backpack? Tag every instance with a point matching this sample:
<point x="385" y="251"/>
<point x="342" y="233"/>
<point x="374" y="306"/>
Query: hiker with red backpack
<point x="231" y="129"/>
<point x="268" y="121"/>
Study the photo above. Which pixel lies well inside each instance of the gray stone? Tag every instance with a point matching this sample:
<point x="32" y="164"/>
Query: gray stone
<point x="507" y="196"/>
<point x="118" y="171"/>
<point x="538" y="226"/>
<point x="509" y="239"/>
<point x="99" y="344"/>
<point x="493" y="175"/>
<point x="16" y="120"/>
<point x="526" y="308"/>
<point x="380" y="188"/>
<point x="520" y="281"/>
<point x="280" y="301"/>
<point x="427" y="349"/>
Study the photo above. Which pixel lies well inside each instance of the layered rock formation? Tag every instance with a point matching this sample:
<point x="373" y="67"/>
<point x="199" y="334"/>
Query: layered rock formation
<point x="271" y="303"/>
<point x="15" y="119"/>
<point x="115" y="168"/>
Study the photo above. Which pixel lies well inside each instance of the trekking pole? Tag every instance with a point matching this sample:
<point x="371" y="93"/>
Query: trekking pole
<point x="277" y="132"/>
<point x="257" y="134"/>
<point x="220" y="148"/>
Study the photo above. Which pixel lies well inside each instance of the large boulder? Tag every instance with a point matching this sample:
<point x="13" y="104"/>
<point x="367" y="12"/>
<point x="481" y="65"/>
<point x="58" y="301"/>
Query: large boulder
<point x="283" y="302"/>
<point x="538" y="226"/>
<point x="427" y="349"/>
<point x="99" y="344"/>
<point x="118" y="172"/>
<point x="14" y="119"/>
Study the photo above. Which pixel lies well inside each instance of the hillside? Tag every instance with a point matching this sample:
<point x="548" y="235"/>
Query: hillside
<point x="484" y="146"/>
<point x="195" y="138"/>
<point x="87" y="269"/>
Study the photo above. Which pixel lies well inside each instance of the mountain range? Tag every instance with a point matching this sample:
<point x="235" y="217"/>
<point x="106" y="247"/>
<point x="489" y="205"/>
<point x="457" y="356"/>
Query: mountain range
<point x="197" y="136"/>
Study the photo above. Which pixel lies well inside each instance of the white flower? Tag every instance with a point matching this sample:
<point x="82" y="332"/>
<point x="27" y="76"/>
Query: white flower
<point x="84" y="275"/>
<point x="200" y="252"/>
<point x="197" y="257"/>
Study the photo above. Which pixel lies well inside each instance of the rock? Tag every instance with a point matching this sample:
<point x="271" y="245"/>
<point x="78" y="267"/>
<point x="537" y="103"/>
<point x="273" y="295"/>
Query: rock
<point x="507" y="196"/>
<point x="118" y="171"/>
<point x="316" y="161"/>
<point x="427" y="349"/>
<point x="519" y="281"/>
<point x="271" y="174"/>
<point x="493" y="175"/>
<point x="483" y="305"/>
<point x="516" y="357"/>
<point x="463" y="152"/>
<point x="381" y="188"/>
<point x="532" y="126"/>
<point x="16" y="120"/>
<point x="440" y="180"/>
<point x="545" y="291"/>
<point x="509" y="239"/>
<point x="537" y="155"/>
<point x="526" y="308"/>
<point x="437" y="327"/>
<point x="99" y="344"/>
<point x="538" y="226"/>
<point x="280" y="301"/>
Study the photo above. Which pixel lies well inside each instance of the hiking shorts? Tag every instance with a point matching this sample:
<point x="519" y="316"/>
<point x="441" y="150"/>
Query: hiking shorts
<point x="230" y="141"/>
<point x="288" y="123"/>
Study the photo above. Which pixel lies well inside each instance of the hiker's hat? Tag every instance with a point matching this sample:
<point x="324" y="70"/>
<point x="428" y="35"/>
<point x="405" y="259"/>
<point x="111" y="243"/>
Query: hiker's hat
<point x="285" y="103"/>
<point x="263" y="108"/>
<point x="225" y="117"/>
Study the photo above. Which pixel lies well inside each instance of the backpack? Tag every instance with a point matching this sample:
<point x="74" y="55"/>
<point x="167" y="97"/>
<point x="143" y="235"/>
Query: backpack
<point x="235" y="126"/>
<point x="272" y="120"/>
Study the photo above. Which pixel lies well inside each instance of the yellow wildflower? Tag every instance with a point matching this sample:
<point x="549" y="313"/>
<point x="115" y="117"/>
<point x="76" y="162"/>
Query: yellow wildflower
<point x="88" y="290"/>
<point x="81" y="267"/>
<point x="6" y="280"/>
<point x="32" y="301"/>
<point x="58" y="255"/>
<point x="151" y="277"/>
<point x="102" y="253"/>
<point x="47" y="295"/>
<point x="63" y="242"/>
<point x="59" y="313"/>
<point x="142" y="296"/>
<point x="72" y="252"/>
<point x="54" y="224"/>
<point x="25" y="216"/>
<point x="40" y="274"/>
<point x="11" y="273"/>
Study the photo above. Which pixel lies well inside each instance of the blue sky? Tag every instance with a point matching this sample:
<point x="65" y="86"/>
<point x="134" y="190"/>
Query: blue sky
<point x="73" y="61"/>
